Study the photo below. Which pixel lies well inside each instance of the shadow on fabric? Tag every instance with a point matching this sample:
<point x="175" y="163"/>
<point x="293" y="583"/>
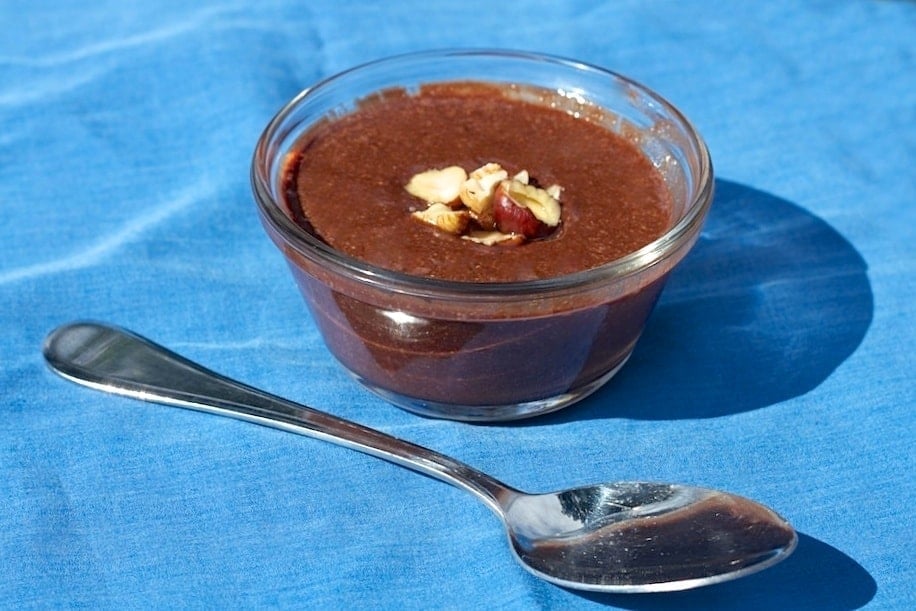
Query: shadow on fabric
<point x="769" y="302"/>
<point x="815" y="576"/>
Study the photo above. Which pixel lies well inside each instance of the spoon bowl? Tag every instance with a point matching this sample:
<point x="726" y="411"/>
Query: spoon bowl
<point x="644" y="537"/>
<point x="616" y="537"/>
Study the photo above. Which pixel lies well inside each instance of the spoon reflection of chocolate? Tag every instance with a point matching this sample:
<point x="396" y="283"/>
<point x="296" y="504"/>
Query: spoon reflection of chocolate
<point x="738" y="533"/>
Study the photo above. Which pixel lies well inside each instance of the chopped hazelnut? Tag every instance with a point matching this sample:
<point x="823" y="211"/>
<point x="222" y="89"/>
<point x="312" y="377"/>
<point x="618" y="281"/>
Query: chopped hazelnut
<point x="444" y="218"/>
<point x="525" y="209"/>
<point x="486" y="207"/>
<point x="438" y="186"/>
<point x="477" y="191"/>
<point x="490" y="238"/>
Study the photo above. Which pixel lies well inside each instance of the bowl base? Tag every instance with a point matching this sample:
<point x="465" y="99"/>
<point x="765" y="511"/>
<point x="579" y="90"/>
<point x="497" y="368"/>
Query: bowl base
<point x="492" y="413"/>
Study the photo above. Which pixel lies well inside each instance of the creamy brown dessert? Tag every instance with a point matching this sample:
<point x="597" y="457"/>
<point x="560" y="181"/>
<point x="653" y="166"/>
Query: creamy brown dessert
<point x="346" y="183"/>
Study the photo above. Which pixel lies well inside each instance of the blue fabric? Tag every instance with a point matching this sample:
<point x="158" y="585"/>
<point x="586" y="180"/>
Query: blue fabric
<point x="779" y="363"/>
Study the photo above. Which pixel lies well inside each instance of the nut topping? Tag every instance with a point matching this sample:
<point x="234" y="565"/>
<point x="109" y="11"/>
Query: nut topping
<point x="490" y="238"/>
<point x="524" y="209"/>
<point x="477" y="191"/>
<point x="443" y="217"/>
<point x="438" y="186"/>
<point x="487" y="207"/>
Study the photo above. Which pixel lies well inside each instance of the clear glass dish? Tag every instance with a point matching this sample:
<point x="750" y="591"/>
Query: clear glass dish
<point x="486" y="351"/>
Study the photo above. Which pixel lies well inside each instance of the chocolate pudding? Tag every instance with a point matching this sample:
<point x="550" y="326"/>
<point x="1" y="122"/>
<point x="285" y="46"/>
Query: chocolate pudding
<point x="346" y="182"/>
<point x="459" y="243"/>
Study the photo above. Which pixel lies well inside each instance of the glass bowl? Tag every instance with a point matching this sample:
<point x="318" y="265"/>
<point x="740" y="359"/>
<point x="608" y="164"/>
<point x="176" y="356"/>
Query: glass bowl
<point x="486" y="351"/>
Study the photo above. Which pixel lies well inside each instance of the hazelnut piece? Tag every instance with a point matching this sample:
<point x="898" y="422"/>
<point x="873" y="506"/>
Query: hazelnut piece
<point x="525" y="209"/>
<point x="444" y="218"/>
<point x="477" y="191"/>
<point x="438" y="186"/>
<point x="490" y="238"/>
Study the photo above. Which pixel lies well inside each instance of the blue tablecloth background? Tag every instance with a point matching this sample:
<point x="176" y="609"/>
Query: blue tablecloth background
<point x="778" y="365"/>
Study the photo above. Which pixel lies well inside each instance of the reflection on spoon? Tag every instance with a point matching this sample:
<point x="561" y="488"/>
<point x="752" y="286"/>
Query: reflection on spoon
<point x="618" y="537"/>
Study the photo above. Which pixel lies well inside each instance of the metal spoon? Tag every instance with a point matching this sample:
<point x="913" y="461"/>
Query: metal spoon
<point x="619" y="537"/>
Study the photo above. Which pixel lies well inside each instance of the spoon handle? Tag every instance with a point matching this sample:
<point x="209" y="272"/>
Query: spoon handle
<point x="114" y="360"/>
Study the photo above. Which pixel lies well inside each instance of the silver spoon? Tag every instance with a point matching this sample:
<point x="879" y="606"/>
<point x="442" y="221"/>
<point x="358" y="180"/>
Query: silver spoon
<point x="619" y="537"/>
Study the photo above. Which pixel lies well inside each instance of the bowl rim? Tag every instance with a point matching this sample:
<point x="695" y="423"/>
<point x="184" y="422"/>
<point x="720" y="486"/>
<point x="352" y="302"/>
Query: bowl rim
<point x="321" y="253"/>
